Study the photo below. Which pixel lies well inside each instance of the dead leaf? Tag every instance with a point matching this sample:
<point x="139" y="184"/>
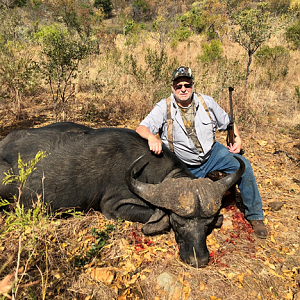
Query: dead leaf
<point x="6" y="285"/>
<point x="262" y="143"/>
<point x="104" y="275"/>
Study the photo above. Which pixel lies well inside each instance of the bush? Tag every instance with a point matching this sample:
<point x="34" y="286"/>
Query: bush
<point x="194" y="19"/>
<point x="293" y="35"/>
<point x="17" y="77"/>
<point x="278" y="56"/>
<point x="211" y="52"/>
<point x="60" y="57"/>
<point x="181" y="34"/>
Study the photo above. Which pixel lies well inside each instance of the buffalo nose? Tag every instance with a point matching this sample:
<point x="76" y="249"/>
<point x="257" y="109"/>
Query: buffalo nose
<point x="198" y="262"/>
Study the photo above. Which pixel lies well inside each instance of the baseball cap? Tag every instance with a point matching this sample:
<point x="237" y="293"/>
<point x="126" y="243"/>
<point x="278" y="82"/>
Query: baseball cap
<point x="182" y="72"/>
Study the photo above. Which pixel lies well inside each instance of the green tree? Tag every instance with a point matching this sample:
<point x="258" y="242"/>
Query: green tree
<point x="60" y="58"/>
<point x="251" y="27"/>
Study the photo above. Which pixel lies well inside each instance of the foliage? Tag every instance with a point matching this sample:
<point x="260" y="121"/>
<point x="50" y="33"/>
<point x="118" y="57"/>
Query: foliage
<point x="293" y="34"/>
<point x="60" y="58"/>
<point x="129" y="26"/>
<point x="106" y="5"/>
<point x="164" y="27"/>
<point x="156" y="63"/>
<point x="251" y="27"/>
<point x="101" y="239"/>
<point x="211" y="52"/>
<point x="25" y="169"/>
<point x="17" y="76"/>
<point x="278" y="56"/>
<point x="10" y="20"/>
<point x="77" y="15"/>
<point x="9" y="4"/>
<point x="181" y="34"/>
<point x="22" y="221"/>
<point x="194" y="19"/>
<point x="140" y="9"/>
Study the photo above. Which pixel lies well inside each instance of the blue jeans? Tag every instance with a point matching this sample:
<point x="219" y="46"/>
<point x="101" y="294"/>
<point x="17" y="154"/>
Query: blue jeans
<point x="223" y="160"/>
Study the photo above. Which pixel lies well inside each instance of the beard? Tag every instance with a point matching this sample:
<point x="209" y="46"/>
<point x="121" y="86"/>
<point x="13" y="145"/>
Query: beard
<point x="183" y="100"/>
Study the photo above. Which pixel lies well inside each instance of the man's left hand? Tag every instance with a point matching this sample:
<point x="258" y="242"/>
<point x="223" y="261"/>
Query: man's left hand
<point x="237" y="146"/>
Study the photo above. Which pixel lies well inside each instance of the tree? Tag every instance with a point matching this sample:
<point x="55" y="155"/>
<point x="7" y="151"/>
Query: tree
<point x="76" y="15"/>
<point x="60" y="58"/>
<point x="251" y="27"/>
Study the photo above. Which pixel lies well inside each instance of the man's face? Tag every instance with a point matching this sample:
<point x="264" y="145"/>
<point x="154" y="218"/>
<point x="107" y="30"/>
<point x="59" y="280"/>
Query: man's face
<point x="183" y="89"/>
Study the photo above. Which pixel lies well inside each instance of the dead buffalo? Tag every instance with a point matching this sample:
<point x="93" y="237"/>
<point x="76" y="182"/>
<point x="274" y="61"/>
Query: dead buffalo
<point x="112" y="170"/>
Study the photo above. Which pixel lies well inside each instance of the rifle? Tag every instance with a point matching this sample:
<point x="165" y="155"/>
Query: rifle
<point x="230" y="128"/>
<point x="230" y="194"/>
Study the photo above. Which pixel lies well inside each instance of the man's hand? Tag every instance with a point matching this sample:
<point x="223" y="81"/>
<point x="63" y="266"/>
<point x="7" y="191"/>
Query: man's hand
<point x="154" y="143"/>
<point x="236" y="147"/>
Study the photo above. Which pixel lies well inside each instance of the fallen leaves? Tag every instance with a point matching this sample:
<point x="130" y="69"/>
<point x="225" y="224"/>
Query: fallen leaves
<point x="6" y="285"/>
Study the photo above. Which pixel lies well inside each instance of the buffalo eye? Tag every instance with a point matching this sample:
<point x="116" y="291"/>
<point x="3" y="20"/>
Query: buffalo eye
<point x="181" y="222"/>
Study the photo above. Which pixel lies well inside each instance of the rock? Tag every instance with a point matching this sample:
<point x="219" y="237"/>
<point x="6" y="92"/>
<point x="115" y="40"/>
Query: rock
<point x="275" y="205"/>
<point x="169" y="283"/>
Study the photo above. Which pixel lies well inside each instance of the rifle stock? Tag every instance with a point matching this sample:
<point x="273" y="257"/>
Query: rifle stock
<point x="230" y="130"/>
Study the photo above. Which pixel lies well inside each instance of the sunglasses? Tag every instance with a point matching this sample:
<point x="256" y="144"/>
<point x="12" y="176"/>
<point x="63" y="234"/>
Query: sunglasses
<point x="179" y="86"/>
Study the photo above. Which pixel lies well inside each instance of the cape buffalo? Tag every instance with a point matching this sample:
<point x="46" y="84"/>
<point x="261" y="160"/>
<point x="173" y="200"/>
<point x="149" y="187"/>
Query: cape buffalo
<point x="112" y="170"/>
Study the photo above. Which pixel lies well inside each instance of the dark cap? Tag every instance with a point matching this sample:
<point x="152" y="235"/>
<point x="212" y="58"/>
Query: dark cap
<point x="182" y="72"/>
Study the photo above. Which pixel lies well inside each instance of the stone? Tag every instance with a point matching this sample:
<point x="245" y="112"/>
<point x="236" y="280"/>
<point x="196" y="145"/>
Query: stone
<point x="275" y="205"/>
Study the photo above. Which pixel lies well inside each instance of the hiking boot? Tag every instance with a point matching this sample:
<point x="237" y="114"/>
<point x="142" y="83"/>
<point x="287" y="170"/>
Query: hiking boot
<point x="259" y="228"/>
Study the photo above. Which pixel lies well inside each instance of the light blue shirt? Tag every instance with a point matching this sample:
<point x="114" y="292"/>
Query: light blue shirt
<point x="184" y="148"/>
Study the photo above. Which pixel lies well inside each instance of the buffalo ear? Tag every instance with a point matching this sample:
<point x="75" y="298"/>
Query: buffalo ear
<point x="158" y="223"/>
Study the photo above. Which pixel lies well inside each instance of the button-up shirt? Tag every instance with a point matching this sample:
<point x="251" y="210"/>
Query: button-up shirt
<point x="205" y="126"/>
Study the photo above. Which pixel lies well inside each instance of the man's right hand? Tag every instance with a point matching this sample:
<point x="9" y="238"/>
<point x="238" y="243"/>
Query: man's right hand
<point x="154" y="143"/>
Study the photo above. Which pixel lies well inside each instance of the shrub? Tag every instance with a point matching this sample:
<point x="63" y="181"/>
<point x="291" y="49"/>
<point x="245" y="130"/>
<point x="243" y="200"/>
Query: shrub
<point x="211" y="52"/>
<point x="194" y="19"/>
<point x="293" y="35"/>
<point x="181" y="34"/>
<point x="60" y="57"/>
<point x="17" y="77"/>
<point x="278" y="56"/>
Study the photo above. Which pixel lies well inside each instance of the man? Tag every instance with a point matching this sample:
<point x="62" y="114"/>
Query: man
<point x="193" y="119"/>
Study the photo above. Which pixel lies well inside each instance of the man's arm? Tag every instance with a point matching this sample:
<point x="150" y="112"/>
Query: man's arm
<point x="237" y="146"/>
<point x="154" y="143"/>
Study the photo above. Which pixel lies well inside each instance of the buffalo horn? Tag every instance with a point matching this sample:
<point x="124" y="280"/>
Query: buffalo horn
<point x="163" y="194"/>
<point x="210" y="193"/>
